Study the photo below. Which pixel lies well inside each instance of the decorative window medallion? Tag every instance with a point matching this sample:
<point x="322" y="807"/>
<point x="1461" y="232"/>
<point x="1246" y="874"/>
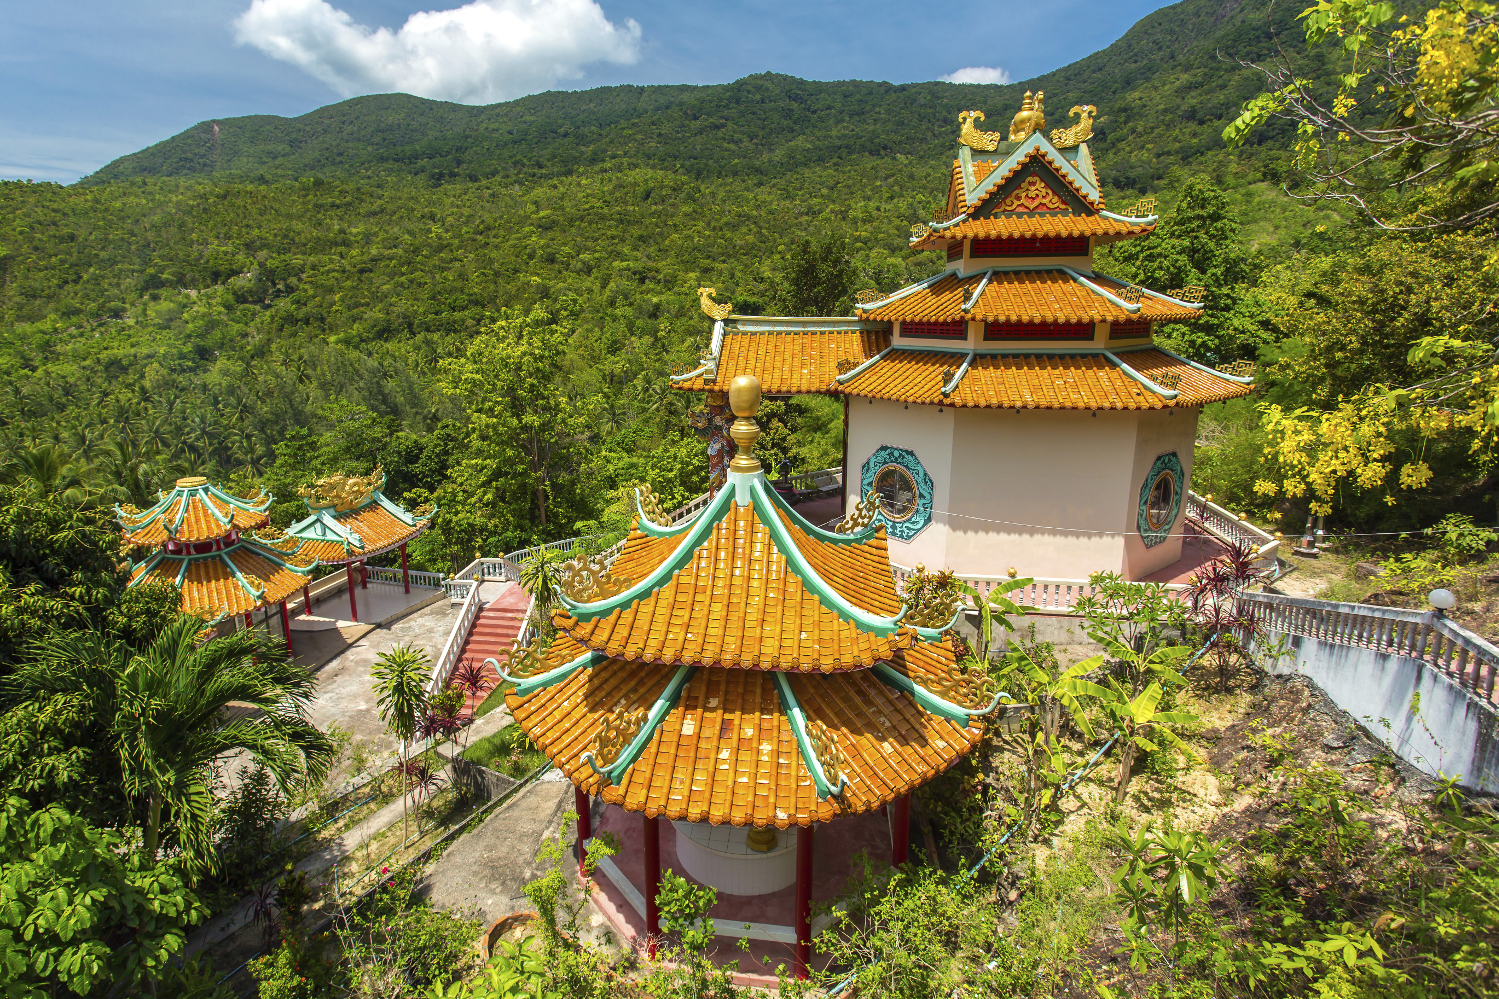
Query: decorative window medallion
<point x="1160" y="499"/>
<point x="904" y="488"/>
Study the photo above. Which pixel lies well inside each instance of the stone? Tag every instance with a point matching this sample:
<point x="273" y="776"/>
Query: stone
<point x="1338" y="740"/>
<point x="1368" y="570"/>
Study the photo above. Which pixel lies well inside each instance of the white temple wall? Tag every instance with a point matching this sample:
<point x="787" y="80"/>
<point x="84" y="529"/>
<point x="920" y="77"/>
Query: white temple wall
<point x="923" y="430"/>
<point x="1160" y="432"/>
<point x="1057" y="469"/>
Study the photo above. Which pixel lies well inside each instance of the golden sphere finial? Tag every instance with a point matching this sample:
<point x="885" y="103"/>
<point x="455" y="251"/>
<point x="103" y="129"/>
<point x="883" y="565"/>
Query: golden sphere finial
<point x="744" y="396"/>
<point x="744" y="400"/>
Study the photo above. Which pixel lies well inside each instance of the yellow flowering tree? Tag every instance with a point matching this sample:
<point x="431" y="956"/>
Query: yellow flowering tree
<point x="1415" y="108"/>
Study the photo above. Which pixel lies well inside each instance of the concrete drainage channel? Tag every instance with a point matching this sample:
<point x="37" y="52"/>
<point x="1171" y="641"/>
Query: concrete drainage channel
<point x="340" y="894"/>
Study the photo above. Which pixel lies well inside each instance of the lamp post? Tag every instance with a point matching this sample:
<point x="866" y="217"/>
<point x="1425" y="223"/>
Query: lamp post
<point x="1442" y="600"/>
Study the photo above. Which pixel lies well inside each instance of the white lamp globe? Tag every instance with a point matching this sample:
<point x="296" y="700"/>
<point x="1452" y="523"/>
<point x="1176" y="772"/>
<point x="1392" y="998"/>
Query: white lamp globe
<point x="1443" y="600"/>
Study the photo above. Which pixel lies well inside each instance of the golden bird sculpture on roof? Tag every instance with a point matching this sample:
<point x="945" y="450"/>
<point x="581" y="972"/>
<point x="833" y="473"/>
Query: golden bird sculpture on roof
<point x="970" y="136"/>
<point x="1066" y="138"/>
<point x="713" y="309"/>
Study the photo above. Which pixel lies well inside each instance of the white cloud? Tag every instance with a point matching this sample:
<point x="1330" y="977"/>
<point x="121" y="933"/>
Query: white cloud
<point x="978" y="74"/>
<point x="482" y="52"/>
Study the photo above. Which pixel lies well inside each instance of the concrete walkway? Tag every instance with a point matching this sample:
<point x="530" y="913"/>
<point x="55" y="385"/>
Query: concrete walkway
<point x="346" y="844"/>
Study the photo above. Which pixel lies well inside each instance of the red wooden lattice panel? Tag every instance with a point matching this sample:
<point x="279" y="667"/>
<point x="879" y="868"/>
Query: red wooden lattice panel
<point x="936" y="331"/>
<point x="1038" y="331"/>
<point x="955" y="250"/>
<point x="1137" y="328"/>
<point x="1037" y="246"/>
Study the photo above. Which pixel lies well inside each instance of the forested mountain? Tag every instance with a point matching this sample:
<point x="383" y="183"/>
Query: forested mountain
<point x="1163" y="93"/>
<point x="304" y="296"/>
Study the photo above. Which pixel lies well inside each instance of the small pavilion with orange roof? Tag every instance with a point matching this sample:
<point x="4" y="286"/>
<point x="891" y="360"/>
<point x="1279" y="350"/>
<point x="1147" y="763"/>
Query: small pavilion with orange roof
<point x="350" y="521"/>
<point x="753" y="680"/>
<point x="1013" y="409"/>
<point x="218" y="549"/>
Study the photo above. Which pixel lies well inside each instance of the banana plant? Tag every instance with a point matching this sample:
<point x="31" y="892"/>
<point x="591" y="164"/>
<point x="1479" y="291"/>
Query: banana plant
<point x="993" y="607"/>
<point x="1140" y="724"/>
<point x="1034" y="675"/>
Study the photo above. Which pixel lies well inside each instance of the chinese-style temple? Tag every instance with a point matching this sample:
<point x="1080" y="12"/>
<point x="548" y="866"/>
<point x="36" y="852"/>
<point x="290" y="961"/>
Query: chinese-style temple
<point x="350" y="521"/>
<point x="218" y="549"/>
<point x="1013" y="409"/>
<point x="733" y="686"/>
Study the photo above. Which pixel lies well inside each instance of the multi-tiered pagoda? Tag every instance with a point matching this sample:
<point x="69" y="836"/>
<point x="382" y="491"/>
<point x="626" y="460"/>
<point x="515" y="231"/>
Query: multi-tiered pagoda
<point x="749" y="678"/>
<point x="218" y="548"/>
<point x="1012" y="410"/>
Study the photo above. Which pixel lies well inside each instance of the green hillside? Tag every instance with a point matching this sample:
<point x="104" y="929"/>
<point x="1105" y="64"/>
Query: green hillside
<point x="301" y="299"/>
<point x="1162" y="105"/>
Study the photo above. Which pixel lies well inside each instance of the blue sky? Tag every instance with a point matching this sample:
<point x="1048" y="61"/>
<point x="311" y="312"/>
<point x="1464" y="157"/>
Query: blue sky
<point x="86" y="81"/>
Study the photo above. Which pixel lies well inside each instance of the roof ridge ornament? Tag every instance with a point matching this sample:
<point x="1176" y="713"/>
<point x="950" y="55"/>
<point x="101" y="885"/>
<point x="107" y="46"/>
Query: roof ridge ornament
<point x="1030" y="118"/>
<point x="342" y="493"/>
<point x="1067" y="138"/>
<point x="744" y="401"/>
<point x="970" y="136"/>
<point x="713" y="309"/>
<point x="588" y="579"/>
<point x="863" y="515"/>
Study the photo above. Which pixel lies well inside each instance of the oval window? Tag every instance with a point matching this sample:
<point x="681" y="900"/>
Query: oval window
<point x="1162" y="500"/>
<point x="897" y="492"/>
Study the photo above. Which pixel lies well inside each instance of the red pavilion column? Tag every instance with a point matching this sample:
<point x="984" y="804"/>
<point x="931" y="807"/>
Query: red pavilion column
<point x="405" y="579"/>
<point x="353" y="603"/>
<point x="286" y="627"/>
<point x="803" y="901"/>
<point x="900" y="830"/>
<point x="307" y="601"/>
<point x="652" y="829"/>
<point x="249" y="620"/>
<point x="584" y="806"/>
<point x="364" y="575"/>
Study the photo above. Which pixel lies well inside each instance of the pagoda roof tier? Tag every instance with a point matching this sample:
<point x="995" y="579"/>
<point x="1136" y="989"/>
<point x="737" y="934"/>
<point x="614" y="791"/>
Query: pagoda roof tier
<point x="1105" y="225"/>
<point x="352" y="520"/>
<point x="236" y="579"/>
<point x="746" y="584"/>
<point x="759" y="670"/>
<point x="1060" y="295"/>
<point x="976" y="179"/>
<point x="731" y="745"/>
<point x="1147" y="378"/>
<point x="798" y="356"/>
<point x="193" y="510"/>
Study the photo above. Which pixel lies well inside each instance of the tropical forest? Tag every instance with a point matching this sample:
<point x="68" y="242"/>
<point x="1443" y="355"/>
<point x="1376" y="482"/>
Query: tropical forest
<point x="470" y="317"/>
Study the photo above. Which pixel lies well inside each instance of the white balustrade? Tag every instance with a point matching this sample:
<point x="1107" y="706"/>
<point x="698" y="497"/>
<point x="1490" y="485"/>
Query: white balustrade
<point x="1231" y="529"/>
<point x="442" y="668"/>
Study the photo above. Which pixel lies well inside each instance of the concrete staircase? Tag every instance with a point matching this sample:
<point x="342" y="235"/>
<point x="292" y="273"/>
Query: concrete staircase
<point x="496" y="627"/>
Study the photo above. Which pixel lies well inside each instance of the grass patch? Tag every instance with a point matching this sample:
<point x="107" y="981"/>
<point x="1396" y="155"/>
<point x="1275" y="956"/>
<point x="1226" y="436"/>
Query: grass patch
<point x="496" y="699"/>
<point x="507" y="751"/>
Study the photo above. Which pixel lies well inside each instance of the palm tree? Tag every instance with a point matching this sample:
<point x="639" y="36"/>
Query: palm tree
<point x="400" y="677"/>
<point x="162" y="707"/>
<point x="540" y="576"/>
<point x="50" y="468"/>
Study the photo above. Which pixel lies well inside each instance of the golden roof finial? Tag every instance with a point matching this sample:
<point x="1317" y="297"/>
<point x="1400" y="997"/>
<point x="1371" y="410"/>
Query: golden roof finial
<point x="1031" y="116"/>
<point x="744" y="400"/>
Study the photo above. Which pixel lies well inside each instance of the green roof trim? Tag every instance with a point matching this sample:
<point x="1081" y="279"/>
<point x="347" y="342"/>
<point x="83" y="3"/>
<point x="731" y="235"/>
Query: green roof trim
<point x="798" y="720"/>
<point x="631" y="753"/>
<point x="526" y="686"/>
<point x="931" y="702"/>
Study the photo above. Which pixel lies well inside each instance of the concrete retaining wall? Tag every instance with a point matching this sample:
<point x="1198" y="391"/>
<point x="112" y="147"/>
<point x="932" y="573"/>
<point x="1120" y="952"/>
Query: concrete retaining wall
<point x="1420" y="714"/>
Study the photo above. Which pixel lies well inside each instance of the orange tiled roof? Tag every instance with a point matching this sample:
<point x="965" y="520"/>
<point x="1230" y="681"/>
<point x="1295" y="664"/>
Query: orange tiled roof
<point x="212" y="590"/>
<point x="1032" y="226"/>
<point x="726" y="752"/>
<point x="1039" y="381"/>
<point x="1025" y="296"/>
<point x="793" y="362"/>
<point x="192" y="510"/>
<point x="378" y="525"/>
<point x="737" y="603"/>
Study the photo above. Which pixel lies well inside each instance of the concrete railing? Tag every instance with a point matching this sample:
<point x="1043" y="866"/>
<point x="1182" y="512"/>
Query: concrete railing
<point x="1425" y="636"/>
<point x="478" y="571"/>
<point x="1421" y="683"/>
<point x="1227" y="527"/>
<point x="430" y="580"/>
<point x="1054" y="595"/>
<point x="442" y="667"/>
